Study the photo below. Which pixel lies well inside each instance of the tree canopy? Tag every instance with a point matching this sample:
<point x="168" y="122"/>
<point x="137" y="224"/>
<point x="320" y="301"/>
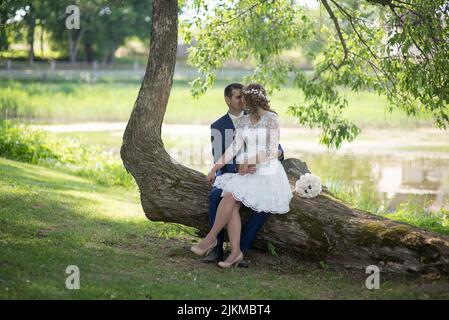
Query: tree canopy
<point x="397" y="48"/>
<point x="104" y="25"/>
<point x="393" y="47"/>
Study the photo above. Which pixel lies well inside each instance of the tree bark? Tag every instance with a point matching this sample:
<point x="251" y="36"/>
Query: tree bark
<point x="321" y="228"/>
<point x="42" y="40"/>
<point x="88" y="51"/>
<point x="31" y="31"/>
<point x="74" y="44"/>
<point x="110" y="56"/>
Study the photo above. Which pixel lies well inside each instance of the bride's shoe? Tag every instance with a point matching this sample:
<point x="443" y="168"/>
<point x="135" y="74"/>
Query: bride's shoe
<point x="202" y="252"/>
<point x="234" y="263"/>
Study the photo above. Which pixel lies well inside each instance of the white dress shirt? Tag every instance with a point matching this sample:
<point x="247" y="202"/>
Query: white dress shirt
<point x="234" y="118"/>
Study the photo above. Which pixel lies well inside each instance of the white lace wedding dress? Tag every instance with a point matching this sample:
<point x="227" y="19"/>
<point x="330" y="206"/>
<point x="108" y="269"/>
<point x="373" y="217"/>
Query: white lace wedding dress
<point x="268" y="189"/>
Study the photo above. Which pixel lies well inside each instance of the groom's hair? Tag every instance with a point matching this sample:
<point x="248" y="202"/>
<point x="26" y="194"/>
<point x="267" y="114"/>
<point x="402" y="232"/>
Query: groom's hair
<point x="230" y="87"/>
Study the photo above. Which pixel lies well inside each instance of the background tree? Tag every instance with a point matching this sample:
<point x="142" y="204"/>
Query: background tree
<point x="120" y="21"/>
<point x="20" y="19"/>
<point x="4" y="36"/>
<point x="105" y="25"/>
<point x="397" y="48"/>
<point x="322" y="228"/>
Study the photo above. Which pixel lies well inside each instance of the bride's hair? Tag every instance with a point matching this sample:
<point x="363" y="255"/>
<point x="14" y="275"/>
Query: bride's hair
<point x="256" y="97"/>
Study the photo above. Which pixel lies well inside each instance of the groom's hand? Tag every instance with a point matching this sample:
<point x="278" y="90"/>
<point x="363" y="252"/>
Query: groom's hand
<point x="246" y="168"/>
<point x="211" y="177"/>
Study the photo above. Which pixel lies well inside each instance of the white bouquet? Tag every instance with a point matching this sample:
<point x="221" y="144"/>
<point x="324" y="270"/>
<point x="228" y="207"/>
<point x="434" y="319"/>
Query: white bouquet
<point x="308" y="186"/>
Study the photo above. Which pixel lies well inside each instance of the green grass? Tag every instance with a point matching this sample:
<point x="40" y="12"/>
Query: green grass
<point x="19" y="142"/>
<point x="50" y="220"/>
<point x="104" y="139"/>
<point x="363" y="197"/>
<point x="417" y="215"/>
<point x="66" y="101"/>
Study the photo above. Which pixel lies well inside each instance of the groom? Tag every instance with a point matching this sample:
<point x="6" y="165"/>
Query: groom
<point x="222" y="133"/>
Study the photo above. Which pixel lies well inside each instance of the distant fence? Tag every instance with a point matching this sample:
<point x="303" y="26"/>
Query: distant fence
<point x="93" y="71"/>
<point x="6" y="64"/>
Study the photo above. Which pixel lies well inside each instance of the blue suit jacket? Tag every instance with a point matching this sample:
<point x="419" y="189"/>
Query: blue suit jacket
<point x="222" y="135"/>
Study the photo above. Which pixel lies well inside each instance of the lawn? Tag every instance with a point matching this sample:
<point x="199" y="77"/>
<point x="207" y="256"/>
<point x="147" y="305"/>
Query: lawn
<point x="65" y="101"/>
<point x="50" y="220"/>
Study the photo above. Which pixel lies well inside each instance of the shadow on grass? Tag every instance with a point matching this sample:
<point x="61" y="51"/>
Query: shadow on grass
<point x="45" y="228"/>
<point x="55" y="180"/>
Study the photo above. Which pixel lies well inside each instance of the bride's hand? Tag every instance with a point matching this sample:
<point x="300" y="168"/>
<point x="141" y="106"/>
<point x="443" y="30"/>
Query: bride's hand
<point x="211" y="177"/>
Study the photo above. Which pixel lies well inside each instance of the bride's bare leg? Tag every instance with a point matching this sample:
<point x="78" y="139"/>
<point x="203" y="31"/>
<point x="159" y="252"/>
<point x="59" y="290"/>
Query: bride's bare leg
<point x="224" y="213"/>
<point x="234" y="232"/>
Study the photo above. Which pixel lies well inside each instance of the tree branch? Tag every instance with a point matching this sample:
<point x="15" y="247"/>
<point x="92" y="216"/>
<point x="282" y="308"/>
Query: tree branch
<point x="337" y="27"/>
<point x="407" y="3"/>
<point x="244" y="12"/>
<point x="381" y="2"/>
<point x="342" y="10"/>
<point x="413" y="40"/>
<point x="340" y="36"/>
<point x="373" y="66"/>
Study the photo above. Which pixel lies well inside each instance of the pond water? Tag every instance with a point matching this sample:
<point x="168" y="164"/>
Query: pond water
<point x="381" y="168"/>
<point x="385" y="182"/>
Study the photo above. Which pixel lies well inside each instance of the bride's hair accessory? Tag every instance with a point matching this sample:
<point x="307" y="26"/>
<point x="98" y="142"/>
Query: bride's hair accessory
<point x="255" y="92"/>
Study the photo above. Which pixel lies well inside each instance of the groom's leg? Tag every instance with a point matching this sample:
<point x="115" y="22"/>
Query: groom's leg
<point x="250" y="229"/>
<point x="214" y="201"/>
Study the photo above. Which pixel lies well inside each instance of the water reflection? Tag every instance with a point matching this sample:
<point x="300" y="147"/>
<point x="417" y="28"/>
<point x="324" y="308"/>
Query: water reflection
<point x="380" y="171"/>
<point x="379" y="183"/>
<point x="423" y="181"/>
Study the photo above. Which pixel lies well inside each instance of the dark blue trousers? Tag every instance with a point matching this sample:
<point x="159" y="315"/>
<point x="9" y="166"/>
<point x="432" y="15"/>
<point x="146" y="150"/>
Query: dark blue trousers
<point x="249" y="230"/>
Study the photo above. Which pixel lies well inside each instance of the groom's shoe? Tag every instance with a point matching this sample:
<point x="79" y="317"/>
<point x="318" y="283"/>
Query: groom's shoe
<point x="243" y="264"/>
<point x="215" y="255"/>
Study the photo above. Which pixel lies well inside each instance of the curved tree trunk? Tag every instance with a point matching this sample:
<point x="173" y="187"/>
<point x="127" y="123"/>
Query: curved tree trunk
<point x="321" y="228"/>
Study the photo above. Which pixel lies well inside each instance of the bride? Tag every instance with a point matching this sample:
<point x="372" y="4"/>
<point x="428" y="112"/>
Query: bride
<point x="266" y="190"/>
